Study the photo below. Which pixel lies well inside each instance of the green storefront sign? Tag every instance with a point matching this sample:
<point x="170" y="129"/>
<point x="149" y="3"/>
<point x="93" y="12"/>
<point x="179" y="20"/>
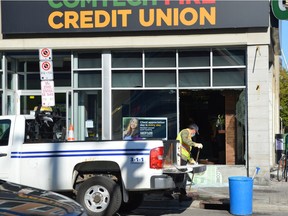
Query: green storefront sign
<point x="279" y="10"/>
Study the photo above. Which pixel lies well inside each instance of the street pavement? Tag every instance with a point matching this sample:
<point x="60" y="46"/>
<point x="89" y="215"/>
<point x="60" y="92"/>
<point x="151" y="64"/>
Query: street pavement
<point x="267" y="200"/>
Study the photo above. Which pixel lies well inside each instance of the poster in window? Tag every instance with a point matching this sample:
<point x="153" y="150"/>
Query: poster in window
<point x="139" y="128"/>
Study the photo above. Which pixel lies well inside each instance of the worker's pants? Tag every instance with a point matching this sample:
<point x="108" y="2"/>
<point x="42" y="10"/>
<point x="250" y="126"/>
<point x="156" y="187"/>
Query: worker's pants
<point x="181" y="180"/>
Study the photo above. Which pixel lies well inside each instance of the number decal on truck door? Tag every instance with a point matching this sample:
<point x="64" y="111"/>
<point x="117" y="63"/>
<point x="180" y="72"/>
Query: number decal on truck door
<point x="136" y="159"/>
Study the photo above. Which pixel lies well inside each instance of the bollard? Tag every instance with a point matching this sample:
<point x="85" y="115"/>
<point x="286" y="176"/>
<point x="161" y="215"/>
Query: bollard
<point x="241" y="195"/>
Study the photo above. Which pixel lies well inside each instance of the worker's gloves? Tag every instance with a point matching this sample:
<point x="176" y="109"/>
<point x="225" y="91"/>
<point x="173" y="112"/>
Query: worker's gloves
<point x="199" y="145"/>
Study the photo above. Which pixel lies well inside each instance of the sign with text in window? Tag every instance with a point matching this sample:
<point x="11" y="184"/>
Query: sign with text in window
<point x="47" y="93"/>
<point x="139" y="128"/>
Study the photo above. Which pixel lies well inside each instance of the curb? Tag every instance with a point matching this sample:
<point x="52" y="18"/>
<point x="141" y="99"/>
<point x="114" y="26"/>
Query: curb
<point x="272" y="198"/>
<point x="259" y="207"/>
<point x="224" y="204"/>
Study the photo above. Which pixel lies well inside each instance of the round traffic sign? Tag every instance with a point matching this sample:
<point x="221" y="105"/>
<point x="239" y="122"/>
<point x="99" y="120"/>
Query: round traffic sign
<point x="46" y="66"/>
<point x="45" y="52"/>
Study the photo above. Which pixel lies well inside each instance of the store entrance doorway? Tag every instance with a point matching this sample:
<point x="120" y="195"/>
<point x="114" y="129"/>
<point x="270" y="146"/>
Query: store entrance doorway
<point x="220" y="115"/>
<point x="203" y="108"/>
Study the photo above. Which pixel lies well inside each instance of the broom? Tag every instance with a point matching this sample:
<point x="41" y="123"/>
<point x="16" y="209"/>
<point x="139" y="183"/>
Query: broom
<point x="197" y="157"/>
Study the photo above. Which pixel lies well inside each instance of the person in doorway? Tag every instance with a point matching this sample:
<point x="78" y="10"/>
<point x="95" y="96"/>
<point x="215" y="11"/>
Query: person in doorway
<point x="186" y="143"/>
<point x="131" y="131"/>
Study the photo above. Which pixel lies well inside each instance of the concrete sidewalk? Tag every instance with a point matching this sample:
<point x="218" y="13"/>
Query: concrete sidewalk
<point x="265" y="198"/>
<point x="271" y="198"/>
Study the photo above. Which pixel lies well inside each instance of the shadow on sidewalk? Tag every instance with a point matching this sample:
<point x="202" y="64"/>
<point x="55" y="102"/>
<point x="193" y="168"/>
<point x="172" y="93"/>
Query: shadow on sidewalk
<point x="221" y="204"/>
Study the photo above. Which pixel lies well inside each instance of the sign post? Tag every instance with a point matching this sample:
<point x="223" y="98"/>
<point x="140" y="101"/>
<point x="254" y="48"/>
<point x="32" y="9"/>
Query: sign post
<point x="46" y="77"/>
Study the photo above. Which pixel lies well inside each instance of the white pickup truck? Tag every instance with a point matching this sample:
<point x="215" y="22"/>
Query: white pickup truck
<point x="104" y="175"/>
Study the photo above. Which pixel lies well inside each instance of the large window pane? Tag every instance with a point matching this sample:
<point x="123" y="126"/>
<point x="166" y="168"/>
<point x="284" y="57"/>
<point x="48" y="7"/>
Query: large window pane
<point x="1" y="93"/>
<point x="11" y="64"/>
<point x="1" y="57"/>
<point x="61" y="64"/>
<point x="140" y="103"/>
<point x="89" y="114"/>
<point x="10" y="81"/>
<point x="62" y="79"/>
<point x="89" y="79"/>
<point x="1" y="77"/>
<point x="126" y="59"/>
<point x="160" y="59"/>
<point x="194" y="58"/>
<point x="194" y="78"/>
<point x="126" y="78"/>
<point x="33" y="66"/>
<point x="229" y="77"/>
<point x="89" y="60"/>
<point x="228" y="57"/>
<point x="156" y="78"/>
<point x="28" y="103"/>
<point x="31" y="82"/>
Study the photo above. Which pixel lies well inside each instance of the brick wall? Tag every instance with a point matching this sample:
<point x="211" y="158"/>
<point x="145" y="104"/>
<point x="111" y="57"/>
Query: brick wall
<point x="230" y="127"/>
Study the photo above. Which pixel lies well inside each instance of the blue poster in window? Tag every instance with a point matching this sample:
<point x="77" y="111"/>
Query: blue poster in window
<point x="139" y="128"/>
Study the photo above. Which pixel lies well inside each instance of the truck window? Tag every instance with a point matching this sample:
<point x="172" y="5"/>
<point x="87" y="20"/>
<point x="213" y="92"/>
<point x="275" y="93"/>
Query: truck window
<point x="29" y="131"/>
<point x="4" y="132"/>
<point x="48" y="126"/>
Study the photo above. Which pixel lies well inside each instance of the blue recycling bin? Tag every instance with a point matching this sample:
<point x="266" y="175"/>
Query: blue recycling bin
<point x="241" y="195"/>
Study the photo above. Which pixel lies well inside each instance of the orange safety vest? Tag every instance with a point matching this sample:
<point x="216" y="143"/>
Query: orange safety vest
<point x="185" y="149"/>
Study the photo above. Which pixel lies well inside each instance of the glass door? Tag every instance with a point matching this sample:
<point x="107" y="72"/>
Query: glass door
<point x="88" y="115"/>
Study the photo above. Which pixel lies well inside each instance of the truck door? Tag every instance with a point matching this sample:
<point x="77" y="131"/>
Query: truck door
<point x="5" y="136"/>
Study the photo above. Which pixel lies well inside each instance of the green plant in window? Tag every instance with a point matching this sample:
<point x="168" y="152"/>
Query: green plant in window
<point x="220" y="122"/>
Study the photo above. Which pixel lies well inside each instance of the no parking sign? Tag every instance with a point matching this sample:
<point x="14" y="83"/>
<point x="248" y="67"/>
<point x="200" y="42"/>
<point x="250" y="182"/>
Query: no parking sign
<point x="46" y="70"/>
<point x="45" y="54"/>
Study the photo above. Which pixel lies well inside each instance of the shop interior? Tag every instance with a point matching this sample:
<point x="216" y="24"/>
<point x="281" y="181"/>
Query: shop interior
<point x="219" y="114"/>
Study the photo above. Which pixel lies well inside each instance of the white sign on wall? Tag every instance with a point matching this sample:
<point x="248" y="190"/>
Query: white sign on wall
<point x="47" y="92"/>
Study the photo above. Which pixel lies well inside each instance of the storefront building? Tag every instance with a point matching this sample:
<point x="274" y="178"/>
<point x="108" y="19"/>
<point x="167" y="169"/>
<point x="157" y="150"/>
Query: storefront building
<point x="184" y="60"/>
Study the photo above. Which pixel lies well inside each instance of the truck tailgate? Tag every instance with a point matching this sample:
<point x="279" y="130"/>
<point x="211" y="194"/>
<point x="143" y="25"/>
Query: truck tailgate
<point x="197" y="168"/>
<point x="171" y="160"/>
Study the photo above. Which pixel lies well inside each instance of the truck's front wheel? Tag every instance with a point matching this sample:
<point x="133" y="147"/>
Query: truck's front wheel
<point x="100" y="196"/>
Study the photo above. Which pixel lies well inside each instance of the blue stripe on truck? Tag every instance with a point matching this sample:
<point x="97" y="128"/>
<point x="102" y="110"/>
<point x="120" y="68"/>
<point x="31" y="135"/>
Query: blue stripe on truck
<point x="79" y="153"/>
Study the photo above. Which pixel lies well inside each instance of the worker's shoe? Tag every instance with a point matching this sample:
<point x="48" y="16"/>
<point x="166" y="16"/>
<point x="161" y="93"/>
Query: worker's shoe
<point x="184" y="198"/>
